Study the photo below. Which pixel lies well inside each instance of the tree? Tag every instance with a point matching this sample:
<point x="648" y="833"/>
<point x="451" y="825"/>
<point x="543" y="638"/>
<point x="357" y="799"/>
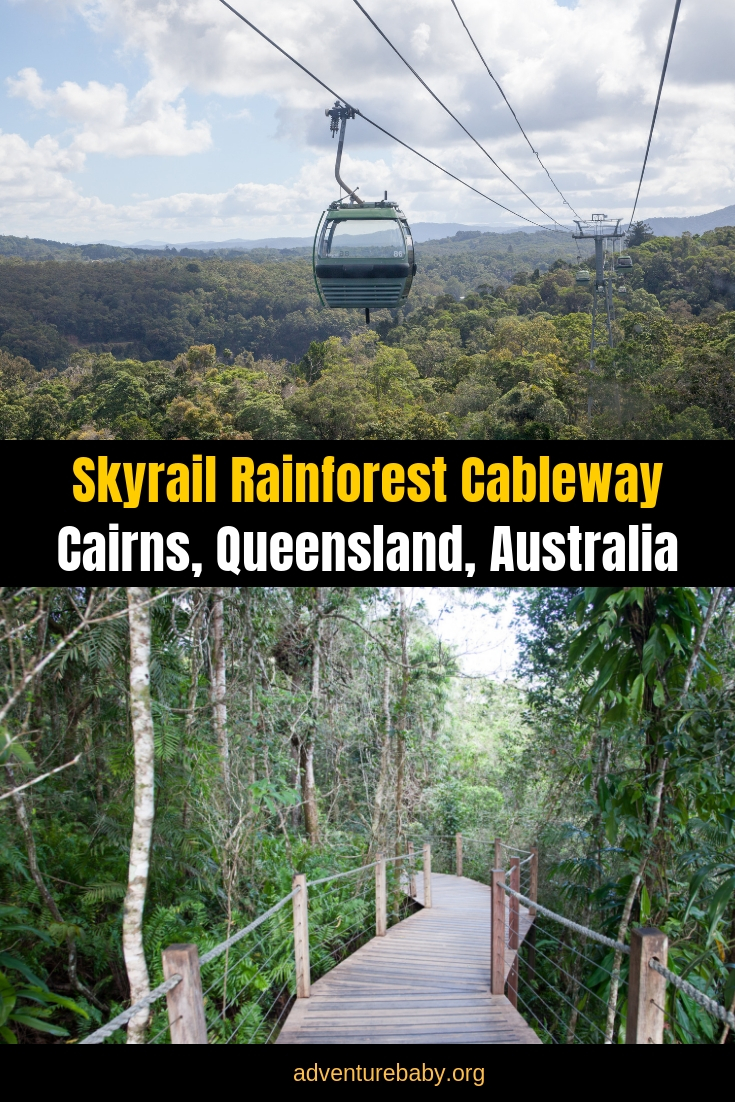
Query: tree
<point x="638" y="234"/>
<point x="141" y="722"/>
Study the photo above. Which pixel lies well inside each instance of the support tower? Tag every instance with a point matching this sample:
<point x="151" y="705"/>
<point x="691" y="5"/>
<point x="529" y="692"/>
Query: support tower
<point x="600" y="229"/>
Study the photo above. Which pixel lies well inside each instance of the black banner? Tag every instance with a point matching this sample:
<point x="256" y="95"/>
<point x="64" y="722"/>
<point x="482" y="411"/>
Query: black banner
<point x="268" y="512"/>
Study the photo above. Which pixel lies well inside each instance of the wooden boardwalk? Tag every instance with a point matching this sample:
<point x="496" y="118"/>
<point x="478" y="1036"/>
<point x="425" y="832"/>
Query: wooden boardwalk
<point x="427" y="982"/>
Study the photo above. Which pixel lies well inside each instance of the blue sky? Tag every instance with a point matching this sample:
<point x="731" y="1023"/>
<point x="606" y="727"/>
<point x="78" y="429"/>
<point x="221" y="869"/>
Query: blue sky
<point x="170" y="120"/>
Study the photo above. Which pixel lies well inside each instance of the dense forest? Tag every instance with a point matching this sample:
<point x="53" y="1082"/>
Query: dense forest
<point x="305" y="729"/>
<point x="493" y="344"/>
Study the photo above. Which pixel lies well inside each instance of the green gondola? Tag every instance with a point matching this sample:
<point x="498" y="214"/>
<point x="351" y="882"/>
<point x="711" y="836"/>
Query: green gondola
<point x="624" y="262"/>
<point x="363" y="256"/>
<point x="582" y="276"/>
<point x="363" y="253"/>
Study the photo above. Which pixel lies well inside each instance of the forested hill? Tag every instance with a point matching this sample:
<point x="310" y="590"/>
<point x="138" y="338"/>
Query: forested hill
<point x="492" y="345"/>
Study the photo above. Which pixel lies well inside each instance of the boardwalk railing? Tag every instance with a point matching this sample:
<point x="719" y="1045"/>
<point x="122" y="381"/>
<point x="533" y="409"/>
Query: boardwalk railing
<point x="240" y="990"/>
<point x="648" y="1013"/>
<point x="552" y="980"/>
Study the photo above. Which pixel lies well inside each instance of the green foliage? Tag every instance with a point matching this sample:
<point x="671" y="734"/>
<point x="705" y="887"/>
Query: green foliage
<point x="484" y="349"/>
<point x="612" y="716"/>
<point x="26" y="1002"/>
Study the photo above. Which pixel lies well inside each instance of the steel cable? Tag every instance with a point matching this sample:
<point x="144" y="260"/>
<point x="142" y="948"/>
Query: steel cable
<point x="377" y="126"/>
<point x="677" y="5"/>
<point x="451" y="114"/>
<point x="546" y="1031"/>
<point x="518" y="121"/>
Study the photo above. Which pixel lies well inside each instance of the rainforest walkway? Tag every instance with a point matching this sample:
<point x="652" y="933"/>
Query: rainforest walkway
<point x="425" y="982"/>
<point x="401" y="955"/>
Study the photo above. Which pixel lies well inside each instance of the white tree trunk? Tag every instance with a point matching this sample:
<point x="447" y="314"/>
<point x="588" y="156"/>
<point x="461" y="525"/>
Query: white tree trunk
<point x="140" y="843"/>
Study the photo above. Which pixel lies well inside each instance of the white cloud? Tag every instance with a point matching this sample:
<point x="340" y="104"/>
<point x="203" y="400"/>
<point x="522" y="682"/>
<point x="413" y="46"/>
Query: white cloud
<point x="105" y="120"/>
<point x="582" y="79"/>
<point x="35" y="188"/>
<point x="420" y="39"/>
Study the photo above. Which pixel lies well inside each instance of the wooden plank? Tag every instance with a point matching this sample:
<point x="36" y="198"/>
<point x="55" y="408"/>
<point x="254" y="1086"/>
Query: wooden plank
<point x="425" y="982"/>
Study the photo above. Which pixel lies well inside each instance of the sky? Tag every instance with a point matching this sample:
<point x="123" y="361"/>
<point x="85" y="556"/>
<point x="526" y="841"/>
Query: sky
<point x="171" y="120"/>
<point x="480" y="631"/>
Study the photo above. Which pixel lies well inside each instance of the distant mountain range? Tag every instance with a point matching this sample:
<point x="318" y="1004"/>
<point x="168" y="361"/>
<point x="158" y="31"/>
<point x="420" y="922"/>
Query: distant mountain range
<point x="422" y="231"/>
<point x="39" y="249"/>
<point x="434" y="231"/>
<point x="699" y="223"/>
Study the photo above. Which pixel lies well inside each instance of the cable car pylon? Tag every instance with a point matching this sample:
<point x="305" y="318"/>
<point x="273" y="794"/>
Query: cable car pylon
<point x="363" y="253"/>
<point x="599" y="229"/>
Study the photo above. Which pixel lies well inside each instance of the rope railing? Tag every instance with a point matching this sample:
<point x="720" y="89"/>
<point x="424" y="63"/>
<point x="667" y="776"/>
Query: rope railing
<point x="697" y="996"/>
<point x="332" y="943"/>
<point x="351" y="872"/>
<point x="576" y="926"/>
<point x="224" y="945"/>
<point x="578" y="996"/>
<point x="247" y="999"/>
<point x="122" y="1019"/>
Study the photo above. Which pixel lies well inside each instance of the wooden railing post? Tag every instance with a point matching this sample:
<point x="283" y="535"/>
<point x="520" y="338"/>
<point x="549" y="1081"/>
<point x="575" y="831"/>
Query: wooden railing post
<point x="185" y="1001"/>
<point x="301" y="937"/>
<point x="458" y="841"/>
<point x="381" y="916"/>
<point x="498" y="858"/>
<point x="497" y="932"/>
<point x="532" y="894"/>
<point x="427" y="875"/>
<point x="514" y="928"/>
<point x="646" y="988"/>
<point x="411" y="872"/>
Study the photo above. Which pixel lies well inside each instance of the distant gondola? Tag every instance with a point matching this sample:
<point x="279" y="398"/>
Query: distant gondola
<point x="363" y="252"/>
<point x="582" y="276"/>
<point x="624" y="262"/>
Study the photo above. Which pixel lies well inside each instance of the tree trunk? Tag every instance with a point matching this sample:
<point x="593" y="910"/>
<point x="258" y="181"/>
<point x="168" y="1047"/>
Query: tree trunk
<point x="140" y="843"/>
<point x="402" y="722"/>
<point x="380" y="812"/>
<point x="653" y="824"/>
<point x="311" y="815"/>
<point x="219" y="683"/>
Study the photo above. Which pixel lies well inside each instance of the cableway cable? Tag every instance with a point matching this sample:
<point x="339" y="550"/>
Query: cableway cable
<point x="677" y="5"/>
<point x="377" y="125"/>
<point x="518" y="121"/>
<point x="451" y="114"/>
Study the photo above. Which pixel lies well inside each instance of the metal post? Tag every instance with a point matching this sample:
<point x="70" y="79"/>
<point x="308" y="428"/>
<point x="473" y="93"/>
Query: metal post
<point x="514" y="928"/>
<point x="458" y="840"/>
<point x="381" y="924"/>
<point x="646" y="988"/>
<point x="427" y="875"/>
<point x="599" y="263"/>
<point x="497" y="932"/>
<point x="411" y="872"/>
<point x="185" y="1001"/>
<point x="301" y="937"/>
<point x="609" y="304"/>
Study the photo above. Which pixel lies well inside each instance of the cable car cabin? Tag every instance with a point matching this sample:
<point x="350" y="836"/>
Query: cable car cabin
<point x="624" y="262"/>
<point x="582" y="276"/>
<point x="363" y="256"/>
